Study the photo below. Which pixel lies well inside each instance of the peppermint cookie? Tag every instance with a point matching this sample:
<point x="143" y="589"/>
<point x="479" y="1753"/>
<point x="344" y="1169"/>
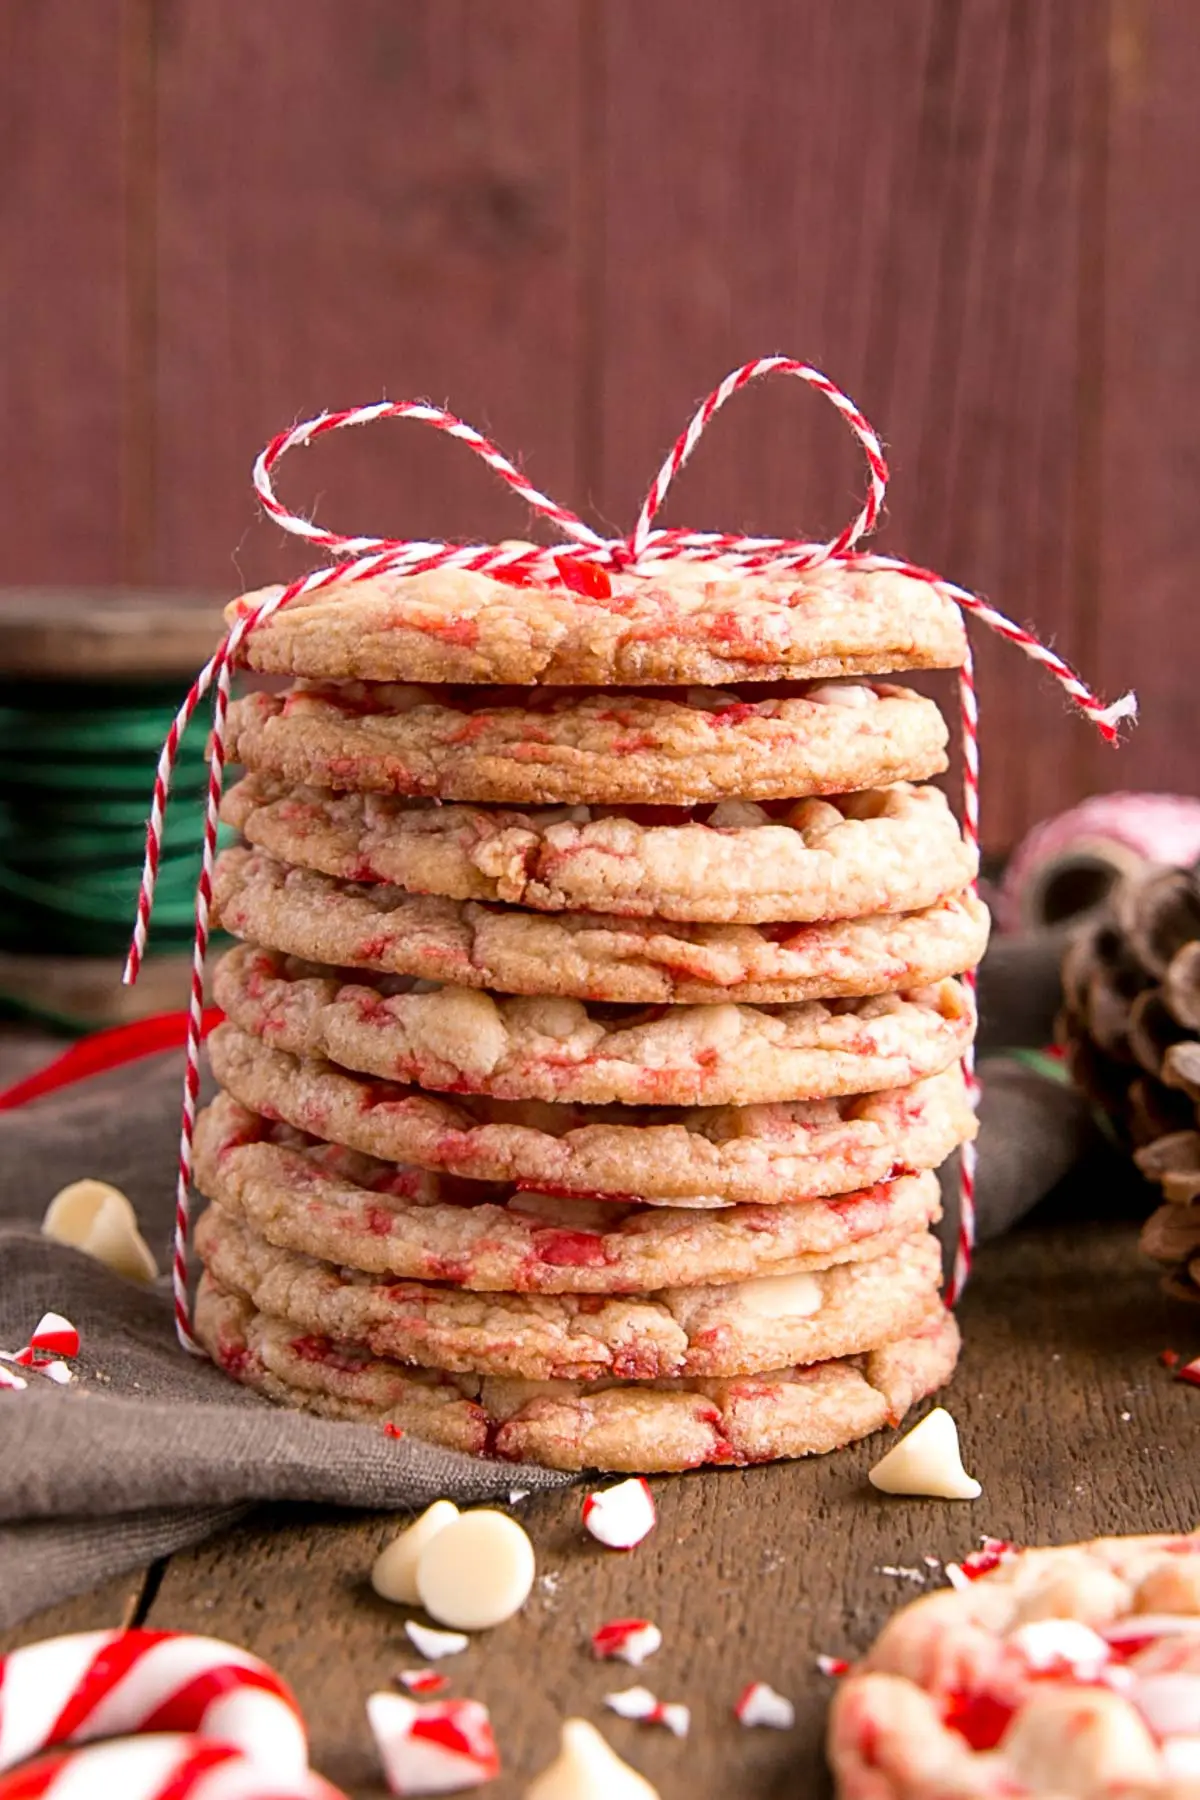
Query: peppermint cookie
<point x="766" y="1323"/>
<point x="526" y="1048"/>
<point x="1065" y="1672"/>
<point x="754" y="1155"/>
<point x="686" y="622"/>
<point x="559" y="746"/>
<point x="588" y="955"/>
<point x="644" y="1428"/>
<point x="386" y="1219"/>
<point x="894" y="849"/>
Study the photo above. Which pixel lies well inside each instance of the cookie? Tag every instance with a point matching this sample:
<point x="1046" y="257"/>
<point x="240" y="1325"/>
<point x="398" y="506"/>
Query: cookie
<point x="749" y="1155"/>
<point x="769" y="1322"/>
<point x="1064" y="1672"/>
<point x="389" y="1219"/>
<point x="525" y="1048"/>
<point x="646" y="1428"/>
<point x="894" y="849"/>
<point x="535" y="746"/>
<point x="588" y="955"/>
<point x="684" y="623"/>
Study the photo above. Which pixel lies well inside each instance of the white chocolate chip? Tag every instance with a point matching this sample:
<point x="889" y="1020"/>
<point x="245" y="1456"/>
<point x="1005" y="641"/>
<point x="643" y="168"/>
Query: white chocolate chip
<point x="433" y="1644"/>
<point x="841" y="693"/>
<point x="620" y="1516"/>
<point x="927" y="1461"/>
<point x="96" y="1218"/>
<point x="587" y="1768"/>
<point x="477" y="1572"/>
<point x="394" y="1576"/>
<point x="780" y="1296"/>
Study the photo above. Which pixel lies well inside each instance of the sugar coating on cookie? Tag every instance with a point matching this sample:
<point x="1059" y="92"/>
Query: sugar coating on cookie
<point x="715" y="1330"/>
<point x="563" y="747"/>
<point x="1073" y="1671"/>
<point x="555" y="1049"/>
<point x="893" y="849"/>
<point x="621" y="1426"/>
<point x="685" y="622"/>
<point x="760" y="1155"/>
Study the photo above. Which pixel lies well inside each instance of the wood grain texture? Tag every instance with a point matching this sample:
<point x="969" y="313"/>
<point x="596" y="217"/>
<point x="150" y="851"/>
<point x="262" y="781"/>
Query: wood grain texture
<point x="897" y="194"/>
<point x="63" y="364"/>
<point x="1066" y="1416"/>
<point x="1146" y="625"/>
<point x="355" y="207"/>
<point x="108" y="1608"/>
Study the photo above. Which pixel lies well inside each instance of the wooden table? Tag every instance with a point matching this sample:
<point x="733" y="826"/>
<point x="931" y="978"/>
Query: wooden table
<point x="1067" y="1417"/>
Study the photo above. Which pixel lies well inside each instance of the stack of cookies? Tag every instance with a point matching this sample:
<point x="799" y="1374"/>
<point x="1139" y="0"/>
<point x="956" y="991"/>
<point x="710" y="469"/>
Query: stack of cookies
<point x="594" y="1034"/>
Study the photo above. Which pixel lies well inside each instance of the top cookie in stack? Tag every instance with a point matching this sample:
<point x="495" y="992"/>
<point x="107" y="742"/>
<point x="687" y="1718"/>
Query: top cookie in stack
<point x="595" y="1035"/>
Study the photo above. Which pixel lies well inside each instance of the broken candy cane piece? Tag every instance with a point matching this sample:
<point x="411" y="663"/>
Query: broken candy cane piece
<point x="95" y="1684"/>
<point x="96" y="1218"/>
<point x="394" y="1572"/>
<point x="620" y="1516"/>
<point x="626" y="1640"/>
<point x="588" y="1768"/>
<point x="160" y="1766"/>
<point x="758" y="1704"/>
<point x="991" y="1553"/>
<point x="927" y="1462"/>
<point x="1189" y="1372"/>
<point x="639" y="1703"/>
<point x="56" y="1371"/>
<point x="833" y="1665"/>
<point x="432" y="1746"/>
<point x="422" y="1681"/>
<point x="10" y="1379"/>
<point x="1061" y="1644"/>
<point x="52" y="1336"/>
<point x="434" y="1644"/>
<point x="477" y="1572"/>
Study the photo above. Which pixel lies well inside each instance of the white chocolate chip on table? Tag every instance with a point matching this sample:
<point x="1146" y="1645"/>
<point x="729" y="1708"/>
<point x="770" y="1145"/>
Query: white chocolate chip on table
<point x="927" y="1461"/>
<point x="587" y="1768"/>
<point x="394" y="1575"/>
<point x="96" y="1218"/>
<point x="476" y="1572"/>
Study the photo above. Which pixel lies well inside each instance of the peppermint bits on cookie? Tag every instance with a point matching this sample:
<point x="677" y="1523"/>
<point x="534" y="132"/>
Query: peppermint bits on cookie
<point x="620" y="1517"/>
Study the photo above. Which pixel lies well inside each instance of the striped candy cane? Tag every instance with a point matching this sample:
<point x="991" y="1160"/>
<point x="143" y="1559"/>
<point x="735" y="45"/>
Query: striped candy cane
<point x="167" y="1766"/>
<point x="591" y="558"/>
<point x="98" y="1684"/>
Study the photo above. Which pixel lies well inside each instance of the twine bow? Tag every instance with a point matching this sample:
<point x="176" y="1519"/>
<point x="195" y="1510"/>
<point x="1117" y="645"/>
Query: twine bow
<point x="585" y="567"/>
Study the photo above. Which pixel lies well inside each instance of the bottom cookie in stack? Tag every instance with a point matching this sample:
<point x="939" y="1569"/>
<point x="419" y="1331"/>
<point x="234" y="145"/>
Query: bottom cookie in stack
<point x="571" y="1332"/>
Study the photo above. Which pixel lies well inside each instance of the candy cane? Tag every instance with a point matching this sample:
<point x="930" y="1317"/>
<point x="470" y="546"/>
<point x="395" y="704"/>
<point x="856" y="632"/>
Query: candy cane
<point x="585" y="567"/>
<point x="94" y="1684"/>
<point x="162" y="1767"/>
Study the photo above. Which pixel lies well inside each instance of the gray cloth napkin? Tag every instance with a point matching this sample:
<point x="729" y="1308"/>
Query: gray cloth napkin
<point x="152" y="1450"/>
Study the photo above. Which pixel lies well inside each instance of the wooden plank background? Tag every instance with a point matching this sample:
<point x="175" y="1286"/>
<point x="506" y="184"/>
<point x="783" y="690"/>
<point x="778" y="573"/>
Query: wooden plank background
<point x="568" y="218"/>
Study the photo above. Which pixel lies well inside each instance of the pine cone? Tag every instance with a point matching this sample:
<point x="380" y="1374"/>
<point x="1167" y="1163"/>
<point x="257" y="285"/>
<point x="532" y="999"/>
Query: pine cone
<point x="1130" y="1027"/>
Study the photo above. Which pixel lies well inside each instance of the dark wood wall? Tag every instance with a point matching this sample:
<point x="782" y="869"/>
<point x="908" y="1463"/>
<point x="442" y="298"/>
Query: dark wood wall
<point x="568" y="218"/>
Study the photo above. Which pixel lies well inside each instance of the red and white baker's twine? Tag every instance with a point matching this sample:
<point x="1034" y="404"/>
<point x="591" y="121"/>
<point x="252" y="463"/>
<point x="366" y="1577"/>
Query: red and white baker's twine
<point x="645" y="549"/>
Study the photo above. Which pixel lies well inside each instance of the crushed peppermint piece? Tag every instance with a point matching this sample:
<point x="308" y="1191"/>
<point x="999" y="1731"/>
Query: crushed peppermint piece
<point x="620" y="1516"/>
<point x="422" y="1681"/>
<point x="56" y="1371"/>
<point x="991" y="1553"/>
<point x="52" y="1336"/>
<point x="517" y="1494"/>
<point x="432" y="1746"/>
<point x="759" y="1704"/>
<point x="932" y="1562"/>
<point x="626" y="1640"/>
<point x="1189" y="1372"/>
<point x="639" y="1703"/>
<point x="1049" y="1645"/>
<point x="9" y="1379"/>
<point x="957" y="1577"/>
<point x="434" y="1644"/>
<point x="833" y="1665"/>
<point x="901" y="1572"/>
<point x="1170" y="1359"/>
<point x="392" y="1431"/>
